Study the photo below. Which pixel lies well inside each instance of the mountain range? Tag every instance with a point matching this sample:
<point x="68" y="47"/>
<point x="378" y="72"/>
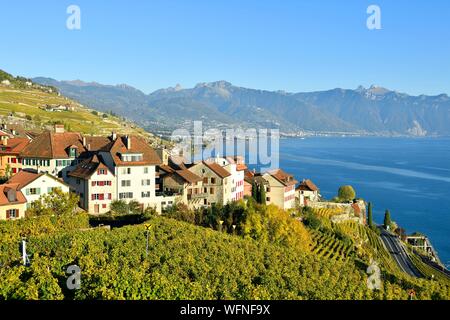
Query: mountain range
<point x="373" y="111"/>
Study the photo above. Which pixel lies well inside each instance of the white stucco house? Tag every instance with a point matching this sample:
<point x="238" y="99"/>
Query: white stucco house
<point x="34" y="185"/>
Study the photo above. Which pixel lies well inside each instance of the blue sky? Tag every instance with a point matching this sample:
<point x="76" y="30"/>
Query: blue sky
<point x="274" y="45"/>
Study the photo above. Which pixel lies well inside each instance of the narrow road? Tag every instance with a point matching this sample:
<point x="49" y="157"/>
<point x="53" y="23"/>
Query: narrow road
<point x="399" y="254"/>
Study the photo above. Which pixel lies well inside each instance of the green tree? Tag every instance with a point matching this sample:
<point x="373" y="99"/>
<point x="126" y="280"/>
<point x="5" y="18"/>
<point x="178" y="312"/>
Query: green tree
<point x="262" y="194"/>
<point x="387" y="219"/>
<point x="134" y="207"/>
<point x="369" y="215"/>
<point x="119" y="207"/>
<point x="56" y="202"/>
<point x="254" y="191"/>
<point x="346" y="193"/>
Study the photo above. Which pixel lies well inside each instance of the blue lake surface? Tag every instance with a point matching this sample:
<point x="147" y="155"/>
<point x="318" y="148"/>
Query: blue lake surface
<point x="410" y="177"/>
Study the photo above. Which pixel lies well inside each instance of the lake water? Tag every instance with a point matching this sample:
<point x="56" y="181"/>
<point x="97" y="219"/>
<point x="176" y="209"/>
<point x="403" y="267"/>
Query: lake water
<point x="410" y="177"/>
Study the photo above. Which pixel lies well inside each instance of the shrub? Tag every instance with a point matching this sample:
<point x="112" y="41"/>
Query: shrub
<point x="119" y="207"/>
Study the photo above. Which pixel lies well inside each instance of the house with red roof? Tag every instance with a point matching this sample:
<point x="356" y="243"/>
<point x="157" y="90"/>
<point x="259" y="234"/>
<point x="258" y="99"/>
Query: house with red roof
<point x="12" y="202"/>
<point x="307" y="192"/>
<point x="95" y="184"/>
<point x="280" y="188"/>
<point x="10" y="149"/>
<point x="34" y="185"/>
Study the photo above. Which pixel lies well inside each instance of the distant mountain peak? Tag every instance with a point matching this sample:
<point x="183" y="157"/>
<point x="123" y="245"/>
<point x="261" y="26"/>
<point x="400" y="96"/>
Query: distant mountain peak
<point x="215" y="84"/>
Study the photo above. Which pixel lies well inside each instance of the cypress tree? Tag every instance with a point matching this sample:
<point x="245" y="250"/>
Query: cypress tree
<point x="387" y="219"/>
<point x="262" y="195"/>
<point x="254" y="191"/>
<point x="369" y="215"/>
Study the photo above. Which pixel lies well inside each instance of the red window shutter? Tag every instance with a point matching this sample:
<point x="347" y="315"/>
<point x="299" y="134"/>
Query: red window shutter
<point x="102" y="196"/>
<point x="109" y="196"/>
<point x="93" y="197"/>
<point x="104" y="206"/>
<point x="7" y="214"/>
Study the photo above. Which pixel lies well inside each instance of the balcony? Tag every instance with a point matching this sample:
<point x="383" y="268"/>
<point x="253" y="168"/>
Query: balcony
<point x="196" y="196"/>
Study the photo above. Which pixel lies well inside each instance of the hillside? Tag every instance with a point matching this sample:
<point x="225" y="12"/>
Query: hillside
<point x="190" y="262"/>
<point x="36" y="107"/>
<point x="374" y="110"/>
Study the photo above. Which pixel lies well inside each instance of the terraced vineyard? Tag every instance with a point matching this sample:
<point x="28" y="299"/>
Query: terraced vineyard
<point x="25" y="103"/>
<point x="328" y="212"/>
<point x="326" y="244"/>
<point x="370" y="243"/>
<point x="427" y="271"/>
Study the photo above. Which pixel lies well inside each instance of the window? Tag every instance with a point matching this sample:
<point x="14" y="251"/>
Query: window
<point x="33" y="191"/>
<point x="101" y="171"/>
<point x="51" y="189"/>
<point x="145" y="169"/>
<point x="205" y="180"/>
<point x="126" y="183"/>
<point x="125" y="171"/>
<point x="146" y="182"/>
<point x="12" y="213"/>
<point x="213" y="180"/>
<point x="78" y="181"/>
<point x="211" y="190"/>
<point x="104" y="206"/>
<point x="205" y="190"/>
<point x="145" y="194"/>
<point x="73" y="152"/>
<point x="268" y="199"/>
<point x="125" y="195"/>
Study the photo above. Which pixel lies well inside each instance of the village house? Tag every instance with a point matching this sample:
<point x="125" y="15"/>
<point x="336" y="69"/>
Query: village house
<point x="186" y="186"/>
<point x="236" y="167"/>
<point x="59" y="152"/>
<point x="307" y="192"/>
<point x="216" y="182"/>
<point x="133" y="162"/>
<point x="34" y="185"/>
<point x="95" y="184"/>
<point x="280" y="190"/>
<point x="10" y="148"/>
<point x="12" y="202"/>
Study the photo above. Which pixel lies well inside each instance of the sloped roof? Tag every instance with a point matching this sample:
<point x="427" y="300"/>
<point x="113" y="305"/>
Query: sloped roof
<point x="52" y="145"/>
<point x="217" y="169"/>
<point x="25" y="177"/>
<point x="88" y="167"/>
<point x="138" y="145"/>
<point x="166" y="168"/>
<point x="14" y="146"/>
<point x="307" y="185"/>
<point x="4" y="188"/>
<point x="188" y="176"/>
<point x="284" y="178"/>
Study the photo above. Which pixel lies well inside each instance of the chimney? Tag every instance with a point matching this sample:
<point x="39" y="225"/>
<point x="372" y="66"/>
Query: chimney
<point x="128" y="138"/>
<point x="59" y="128"/>
<point x="84" y="141"/>
<point x="5" y="140"/>
<point x="113" y="136"/>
